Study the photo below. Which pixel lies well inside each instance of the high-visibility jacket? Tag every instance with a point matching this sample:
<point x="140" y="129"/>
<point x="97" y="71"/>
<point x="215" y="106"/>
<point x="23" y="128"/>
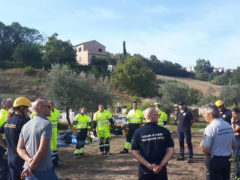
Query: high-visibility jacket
<point x="3" y="118"/>
<point x="54" y="116"/>
<point x="102" y="119"/>
<point x="162" y="117"/>
<point x="135" y="117"/>
<point x="81" y="121"/>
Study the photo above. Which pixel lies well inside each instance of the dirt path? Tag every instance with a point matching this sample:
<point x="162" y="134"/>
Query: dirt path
<point x="117" y="167"/>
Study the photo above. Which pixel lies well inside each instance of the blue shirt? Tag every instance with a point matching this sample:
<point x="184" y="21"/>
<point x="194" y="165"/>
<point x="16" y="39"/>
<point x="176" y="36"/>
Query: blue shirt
<point x="226" y="115"/>
<point x="219" y="137"/>
<point x="184" y="119"/>
<point x="12" y="129"/>
<point x="152" y="142"/>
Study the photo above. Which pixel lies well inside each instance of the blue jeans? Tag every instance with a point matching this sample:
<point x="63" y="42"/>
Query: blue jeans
<point x="236" y="156"/>
<point x="188" y="136"/>
<point x="43" y="175"/>
<point x="15" y="165"/>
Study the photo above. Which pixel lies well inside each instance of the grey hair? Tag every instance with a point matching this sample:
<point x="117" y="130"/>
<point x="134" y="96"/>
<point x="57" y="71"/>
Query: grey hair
<point x="5" y="101"/>
<point x="212" y="108"/>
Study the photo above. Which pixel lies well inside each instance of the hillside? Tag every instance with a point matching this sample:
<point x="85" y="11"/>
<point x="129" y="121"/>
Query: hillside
<point x="14" y="82"/>
<point x="203" y="86"/>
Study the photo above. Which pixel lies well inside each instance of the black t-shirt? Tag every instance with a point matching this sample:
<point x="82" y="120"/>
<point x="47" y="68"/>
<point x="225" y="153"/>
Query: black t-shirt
<point x="152" y="142"/>
<point x="226" y="115"/>
<point x="12" y="129"/>
<point x="184" y="119"/>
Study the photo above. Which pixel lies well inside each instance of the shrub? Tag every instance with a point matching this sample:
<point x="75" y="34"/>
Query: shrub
<point x="29" y="71"/>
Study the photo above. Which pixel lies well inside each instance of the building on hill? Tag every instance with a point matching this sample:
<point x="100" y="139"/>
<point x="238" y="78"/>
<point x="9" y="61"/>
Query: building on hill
<point x="190" y="69"/>
<point x="230" y="70"/>
<point x="88" y="50"/>
<point x="219" y="69"/>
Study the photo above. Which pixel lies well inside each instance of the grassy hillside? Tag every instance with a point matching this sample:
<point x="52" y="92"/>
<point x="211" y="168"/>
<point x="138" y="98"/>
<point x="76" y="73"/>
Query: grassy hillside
<point x="16" y="82"/>
<point x="19" y="82"/>
<point x="203" y="86"/>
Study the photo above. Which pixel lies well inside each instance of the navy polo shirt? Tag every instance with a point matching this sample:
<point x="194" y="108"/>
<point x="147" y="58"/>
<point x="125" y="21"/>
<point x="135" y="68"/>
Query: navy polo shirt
<point x="152" y="142"/>
<point x="12" y="129"/>
<point x="184" y="119"/>
<point x="226" y="115"/>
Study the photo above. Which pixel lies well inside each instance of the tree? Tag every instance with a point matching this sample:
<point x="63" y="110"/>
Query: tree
<point x="230" y="95"/>
<point x="236" y="76"/>
<point x="27" y="53"/>
<point x="132" y="76"/>
<point x="71" y="90"/>
<point x="172" y="92"/>
<point x="124" y="49"/>
<point x="203" y="66"/>
<point x="58" y="51"/>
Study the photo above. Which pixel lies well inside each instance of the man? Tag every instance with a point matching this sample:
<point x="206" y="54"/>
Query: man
<point x="153" y="147"/>
<point x="225" y="114"/>
<point x="12" y="128"/>
<point x="34" y="144"/>
<point x="6" y="104"/>
<point x="135" y="118"/>
<point x="236" y="129"/>
<point x="185" y="121"/>
<point x="53" y="118"/>
<point x="162" y="116"/>
<point x="101" y="121"/>
<point x="81" y="124"/>
<point x="217" y="144"/>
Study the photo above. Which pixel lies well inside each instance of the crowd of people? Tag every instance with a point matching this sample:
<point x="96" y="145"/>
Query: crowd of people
<point x="30" y="138"/>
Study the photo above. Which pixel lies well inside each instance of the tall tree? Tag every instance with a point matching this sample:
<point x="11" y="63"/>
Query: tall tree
<point x="124" y="49"/>
<point x="134" y="77"/>
<point x="203" y="66"/>
<point x="58" y="51"/>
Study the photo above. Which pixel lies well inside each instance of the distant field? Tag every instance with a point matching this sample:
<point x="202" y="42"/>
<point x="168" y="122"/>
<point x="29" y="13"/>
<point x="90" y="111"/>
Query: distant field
<point x="197" y="84"/>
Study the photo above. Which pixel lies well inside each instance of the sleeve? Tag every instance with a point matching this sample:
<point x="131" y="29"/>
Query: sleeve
<point x="47" y="131"/>
<point x="190" y="116"/>
<point x="76" y="117"/>
<point x="95" y="117"/>
<point x="207" y="138"/>
<point x="109" y="114"/>
<point x="57" y="114"/>
<point x="135" y="141"/>
<point x="169" y="142"/>
<point x="2" y="128"/>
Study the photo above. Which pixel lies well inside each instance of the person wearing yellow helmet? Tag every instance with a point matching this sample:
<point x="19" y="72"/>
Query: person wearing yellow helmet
<point x="12" y="128"/>
<point x="6" y="104"/>
<point x="162" y="116"/>
<point x="225" y="114"/>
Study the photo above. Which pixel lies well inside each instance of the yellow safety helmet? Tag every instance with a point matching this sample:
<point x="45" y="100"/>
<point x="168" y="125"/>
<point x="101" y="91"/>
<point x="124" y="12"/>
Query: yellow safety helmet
<point x="156" y="103"/>
<point x="22" y="101"/>
<point x="219" y="103"/>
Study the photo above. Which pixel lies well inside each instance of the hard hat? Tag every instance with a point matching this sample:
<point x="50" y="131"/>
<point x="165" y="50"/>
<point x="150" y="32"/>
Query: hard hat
<point x="181" y="103"/>
<point x="22" y="101"/>
<point x="219" y="103"/>
<point x="156" y="103"/>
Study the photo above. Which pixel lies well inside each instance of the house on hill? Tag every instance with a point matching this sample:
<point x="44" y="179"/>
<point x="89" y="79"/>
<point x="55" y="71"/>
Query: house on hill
<point x="88" y="50"/>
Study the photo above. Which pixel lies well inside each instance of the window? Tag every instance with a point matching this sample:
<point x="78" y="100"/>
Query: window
<point x="79" y="49"/>
<point x="100" y="50"/>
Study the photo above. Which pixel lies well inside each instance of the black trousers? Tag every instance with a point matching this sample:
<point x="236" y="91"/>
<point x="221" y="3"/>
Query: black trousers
<point x="218" y="168"/>
<point x="4" y="174"/>
<point x="146" y="174"/>
<point x="132" y="129"/>
<point x="81" y="136"/>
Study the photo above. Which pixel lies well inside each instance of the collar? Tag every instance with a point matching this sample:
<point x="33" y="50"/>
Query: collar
<point x="44" y="117"/>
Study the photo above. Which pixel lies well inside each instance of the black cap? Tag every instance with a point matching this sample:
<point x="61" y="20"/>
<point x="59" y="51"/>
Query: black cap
<point x="181" y="103"/>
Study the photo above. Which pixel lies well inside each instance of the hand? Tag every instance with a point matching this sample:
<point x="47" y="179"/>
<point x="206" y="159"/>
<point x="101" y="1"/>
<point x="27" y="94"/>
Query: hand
<point x="157" y="169"/>
<point x="152" y="166"/>
<point x="33" y="165"/>
<point x="26" y="172"/>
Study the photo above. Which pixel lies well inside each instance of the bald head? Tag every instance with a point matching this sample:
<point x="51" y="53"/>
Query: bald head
<point x="151" y="115"/>
<point x="41" y="107"/>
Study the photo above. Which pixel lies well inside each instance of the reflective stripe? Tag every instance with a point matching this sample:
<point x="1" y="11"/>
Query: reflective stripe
<point x="101" y="145"/>
<point x="135" y="122"/>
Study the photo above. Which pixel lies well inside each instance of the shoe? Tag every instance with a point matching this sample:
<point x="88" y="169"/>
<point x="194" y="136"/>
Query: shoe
<point x="102" y="153"/>
<point x="124" y="152"/>
<point x="190" y="160"/>
<point x="180" y="158"/>
<point x="108" y="153"/>
<point x="76" y="156"/>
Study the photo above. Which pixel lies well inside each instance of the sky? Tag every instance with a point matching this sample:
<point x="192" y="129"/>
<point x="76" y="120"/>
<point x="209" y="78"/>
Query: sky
<point x="180" y="31"/>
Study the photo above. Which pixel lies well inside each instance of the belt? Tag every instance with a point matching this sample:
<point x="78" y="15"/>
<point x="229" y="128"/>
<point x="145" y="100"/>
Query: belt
<point x="218" y="157"/>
